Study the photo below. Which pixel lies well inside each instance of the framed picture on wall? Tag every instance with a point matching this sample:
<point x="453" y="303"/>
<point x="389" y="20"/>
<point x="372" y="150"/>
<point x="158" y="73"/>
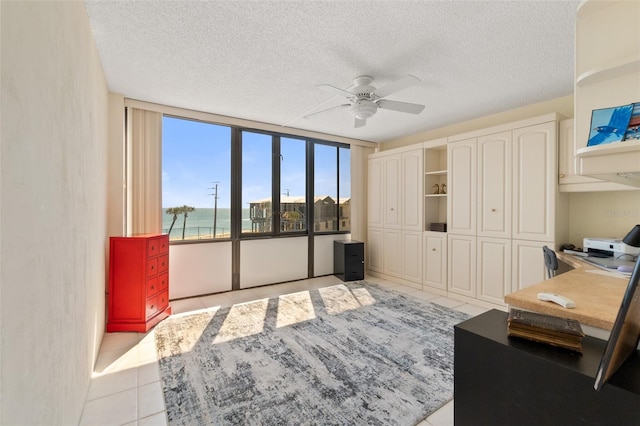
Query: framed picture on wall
<point x="609" y="125"/>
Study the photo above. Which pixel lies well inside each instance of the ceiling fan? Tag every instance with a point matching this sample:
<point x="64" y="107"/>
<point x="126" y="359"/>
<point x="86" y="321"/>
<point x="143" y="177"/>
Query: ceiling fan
<point x="365" y="99"/>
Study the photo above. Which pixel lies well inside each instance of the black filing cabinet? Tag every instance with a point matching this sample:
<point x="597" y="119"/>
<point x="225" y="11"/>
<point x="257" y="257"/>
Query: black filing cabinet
<point x="348" y="260"/>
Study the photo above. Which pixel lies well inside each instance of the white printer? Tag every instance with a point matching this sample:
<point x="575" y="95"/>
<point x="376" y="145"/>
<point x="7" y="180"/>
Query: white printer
<point x="609" y="247"/>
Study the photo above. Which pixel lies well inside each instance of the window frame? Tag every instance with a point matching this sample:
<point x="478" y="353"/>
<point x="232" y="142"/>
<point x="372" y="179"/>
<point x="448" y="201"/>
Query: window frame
<point x="236" y="232"/>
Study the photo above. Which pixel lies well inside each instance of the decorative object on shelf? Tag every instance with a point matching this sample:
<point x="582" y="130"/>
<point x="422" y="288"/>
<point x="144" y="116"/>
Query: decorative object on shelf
<point x="444" y="188"/>
<point x="437" y="188"/>
<point x="609" y="125"/>
<point x="633" y="129"/>
<point x="438" y="226"/>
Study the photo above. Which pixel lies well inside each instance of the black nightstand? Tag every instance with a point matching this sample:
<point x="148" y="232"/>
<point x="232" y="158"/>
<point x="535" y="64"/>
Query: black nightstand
<point x="348" y="260"/>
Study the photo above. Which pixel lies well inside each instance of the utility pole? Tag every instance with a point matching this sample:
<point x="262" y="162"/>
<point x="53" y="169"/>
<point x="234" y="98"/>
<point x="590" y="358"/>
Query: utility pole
<point x="215" y="206"/>
<point x="286" y="191"/>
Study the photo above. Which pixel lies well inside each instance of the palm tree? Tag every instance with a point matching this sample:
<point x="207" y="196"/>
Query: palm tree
<point x="185" y="210"/>
<point x="175" y="211"/>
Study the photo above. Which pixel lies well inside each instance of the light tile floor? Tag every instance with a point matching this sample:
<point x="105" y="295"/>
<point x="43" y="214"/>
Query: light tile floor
<point x="126" y="390"/>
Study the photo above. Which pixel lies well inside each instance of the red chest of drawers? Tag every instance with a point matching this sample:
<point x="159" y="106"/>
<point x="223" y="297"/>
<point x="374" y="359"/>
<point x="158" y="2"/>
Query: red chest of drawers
<point x="138" y="296"/>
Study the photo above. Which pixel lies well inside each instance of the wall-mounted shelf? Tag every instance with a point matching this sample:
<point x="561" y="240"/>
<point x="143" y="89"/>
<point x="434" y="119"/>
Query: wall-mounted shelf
<point x="435" y="195"/>
<point x="436" y="172"/>
<point x="624" y="67"/>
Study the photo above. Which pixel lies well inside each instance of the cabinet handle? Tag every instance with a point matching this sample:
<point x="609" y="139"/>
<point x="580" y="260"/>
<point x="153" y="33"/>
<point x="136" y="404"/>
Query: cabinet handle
<point x="391" y="209"/>
<point x="562" y="175"/>
<point x="433" y="249"/>
<point x="493" y="210"/>
<point x="153" y="287"/>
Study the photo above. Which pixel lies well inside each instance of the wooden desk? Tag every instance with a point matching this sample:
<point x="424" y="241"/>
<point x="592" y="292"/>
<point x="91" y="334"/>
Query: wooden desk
<point x="597" y="296"/>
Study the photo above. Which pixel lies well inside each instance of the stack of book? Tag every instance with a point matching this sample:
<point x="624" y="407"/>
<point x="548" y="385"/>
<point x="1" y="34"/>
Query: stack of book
<point x="556" y="331"/>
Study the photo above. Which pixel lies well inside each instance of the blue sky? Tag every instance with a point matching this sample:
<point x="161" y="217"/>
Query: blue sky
<point x="195" y="155"/>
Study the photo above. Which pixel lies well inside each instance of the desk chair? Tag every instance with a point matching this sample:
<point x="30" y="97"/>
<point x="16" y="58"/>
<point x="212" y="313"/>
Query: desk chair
<point x="550" y="261"/>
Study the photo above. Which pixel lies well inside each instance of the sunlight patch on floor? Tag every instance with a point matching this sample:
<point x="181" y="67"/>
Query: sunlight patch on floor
<point x="338" y="298"/>
<point x="294" y="308"/>
<point x="243" y="319"/>
<point x="364" y="297"/>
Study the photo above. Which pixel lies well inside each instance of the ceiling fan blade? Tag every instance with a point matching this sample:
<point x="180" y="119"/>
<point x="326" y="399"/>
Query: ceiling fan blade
<point x="396" y="86"/>
<point x="326" y="110"/>
<point x="400" y="106"/>
<point x="335" y="91"/>
<point x="359" y="122"/>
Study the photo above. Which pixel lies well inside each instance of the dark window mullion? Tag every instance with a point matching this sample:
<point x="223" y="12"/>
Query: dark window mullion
<point x="275" y="187"/>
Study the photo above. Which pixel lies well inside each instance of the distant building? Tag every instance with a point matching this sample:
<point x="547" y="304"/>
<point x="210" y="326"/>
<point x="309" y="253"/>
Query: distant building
<point x="294" y="214"/>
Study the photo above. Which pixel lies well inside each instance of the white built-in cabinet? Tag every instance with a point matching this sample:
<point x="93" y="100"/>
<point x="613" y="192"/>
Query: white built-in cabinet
<point x="392" y="256"/>
<point x="461" y="258"/>
<point x="435" y="260"/>
<point x="494" y="185"/>
<point x="496" y="190"/>
<point x="392" y="192"/>
<point x="535" y="186"/>
<point x="374" y="249"/>
<point x="394" y="243"/>
<point x="503" y="188"/>
<point x="461" y="199"/>
<point x="493" y="269"/>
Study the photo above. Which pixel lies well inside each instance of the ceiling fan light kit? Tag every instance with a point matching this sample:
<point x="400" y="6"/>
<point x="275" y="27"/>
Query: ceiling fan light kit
<point x="365" y="99"/>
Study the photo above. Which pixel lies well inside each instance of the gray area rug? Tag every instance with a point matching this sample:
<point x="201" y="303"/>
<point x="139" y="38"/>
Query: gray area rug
<point x="349" y="354"/>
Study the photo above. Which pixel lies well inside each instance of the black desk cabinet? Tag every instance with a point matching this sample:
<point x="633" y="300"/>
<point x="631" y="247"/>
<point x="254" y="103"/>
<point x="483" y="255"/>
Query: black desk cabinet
<point x="348" y="260"/>
<point x="509" y="381"/>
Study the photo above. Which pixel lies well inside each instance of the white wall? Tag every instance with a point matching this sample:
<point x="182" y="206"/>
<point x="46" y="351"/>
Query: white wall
<point x="323" y="253"/>
<point x="196" y="269"/>
<point x="52" y="212"/>
<point x="273" y="260"/>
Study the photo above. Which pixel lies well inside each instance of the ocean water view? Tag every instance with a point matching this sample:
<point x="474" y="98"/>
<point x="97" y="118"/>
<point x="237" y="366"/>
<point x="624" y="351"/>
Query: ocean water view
<point x="199" y="223"/>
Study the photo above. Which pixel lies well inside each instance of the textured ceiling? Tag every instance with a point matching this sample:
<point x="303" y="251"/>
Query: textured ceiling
<point x="262" y="61"/>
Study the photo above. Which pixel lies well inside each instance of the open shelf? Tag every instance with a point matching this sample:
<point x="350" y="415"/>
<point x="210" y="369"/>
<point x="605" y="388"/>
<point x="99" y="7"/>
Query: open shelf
<point x="435" y="173"/>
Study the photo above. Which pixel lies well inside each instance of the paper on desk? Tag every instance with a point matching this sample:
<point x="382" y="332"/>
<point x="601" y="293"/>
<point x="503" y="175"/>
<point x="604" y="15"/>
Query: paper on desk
<point x="609" y="274"/>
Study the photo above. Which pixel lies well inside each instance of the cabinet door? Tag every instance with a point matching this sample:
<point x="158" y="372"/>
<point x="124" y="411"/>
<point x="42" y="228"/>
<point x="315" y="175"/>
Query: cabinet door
<point x="494" y="185"/>
<point x="461" y="264"/>
<point x="461" y="204"/>
<point x="392" y="194"/>
<point x="534" y="179"/>
<point x="374" y="249"/>
<point x="392" y="245"/>
<point x="528" y="263"/>
<point x="412" y="192"/>
<point x="412" y="256"/>
<point x="435" y="260"/>
<point x="494" y="269"/>
<point x="374" y="193"/>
